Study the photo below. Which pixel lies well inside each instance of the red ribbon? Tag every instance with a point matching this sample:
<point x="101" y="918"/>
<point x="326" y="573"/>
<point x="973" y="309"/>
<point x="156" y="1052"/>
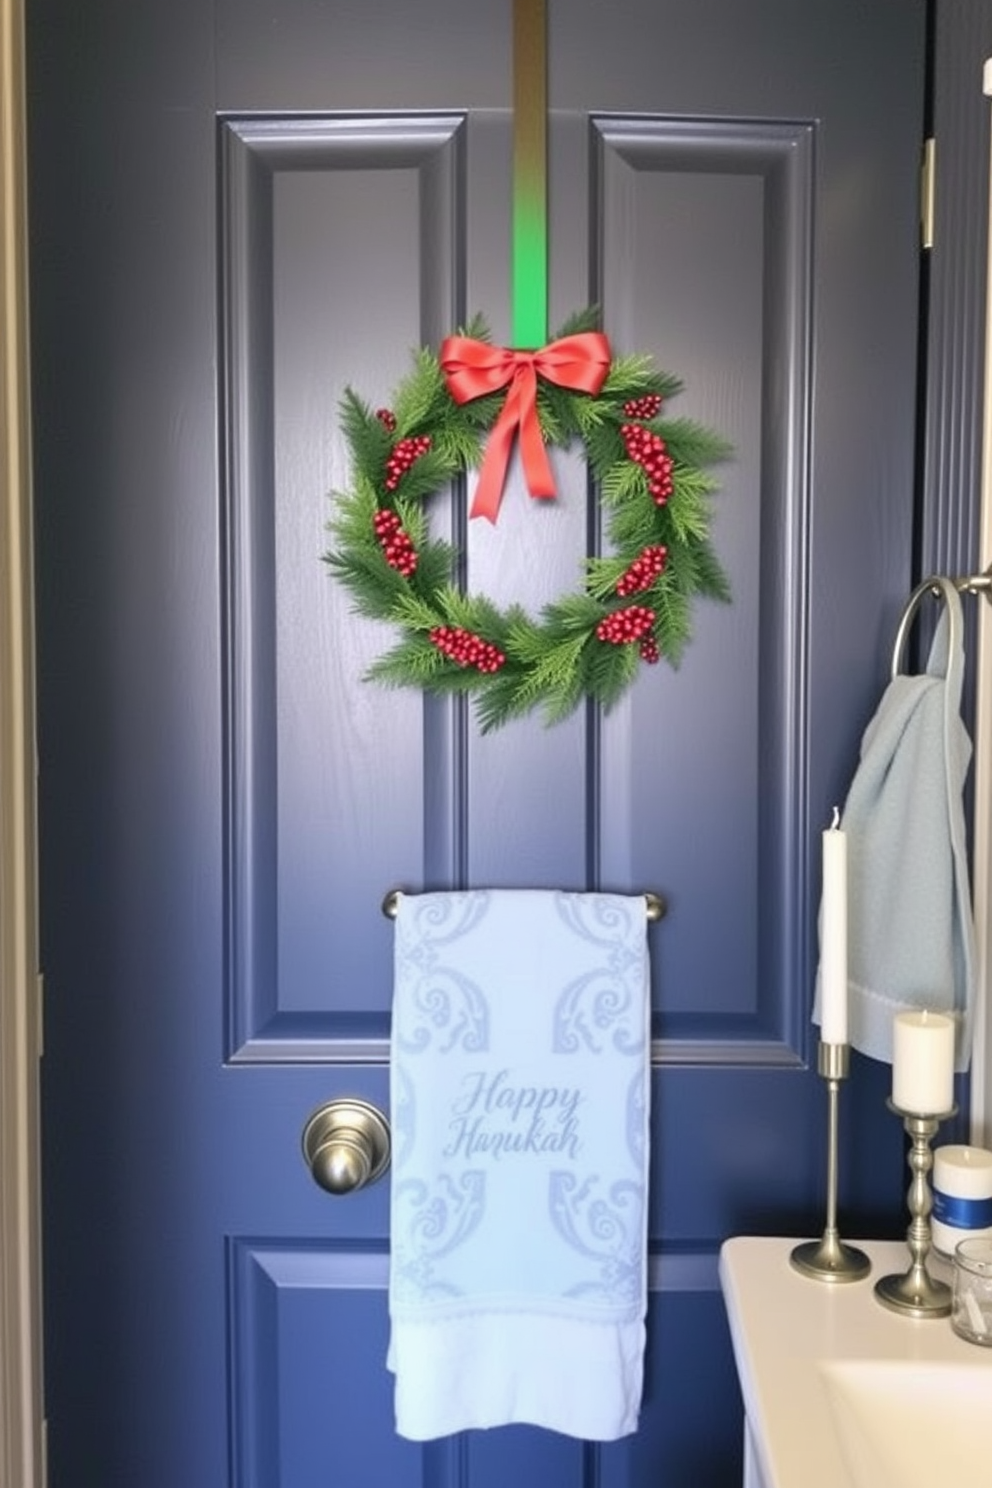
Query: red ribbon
<point x="474" y="368"/>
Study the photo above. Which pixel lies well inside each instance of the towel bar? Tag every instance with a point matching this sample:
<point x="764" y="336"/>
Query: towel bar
<point x="655" y="905"/>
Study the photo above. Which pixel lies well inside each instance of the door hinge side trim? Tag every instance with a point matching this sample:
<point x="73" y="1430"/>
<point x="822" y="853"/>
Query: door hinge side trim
<point x="928" y="173"/>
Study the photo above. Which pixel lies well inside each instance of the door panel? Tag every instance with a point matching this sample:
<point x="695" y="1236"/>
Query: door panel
<point x="322" y="1308"/>
<point x="310" y="206"/>
<point x="237" y="210"/>
<point x="713" y="797"/>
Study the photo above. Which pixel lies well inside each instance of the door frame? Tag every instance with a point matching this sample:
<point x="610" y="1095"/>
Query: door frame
<point x="981" y="1084"/>
<point x="21" y="1392"/>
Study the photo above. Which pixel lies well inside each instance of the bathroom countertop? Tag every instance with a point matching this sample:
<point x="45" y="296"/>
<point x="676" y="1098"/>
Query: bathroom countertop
<point x="785" y="1327"/>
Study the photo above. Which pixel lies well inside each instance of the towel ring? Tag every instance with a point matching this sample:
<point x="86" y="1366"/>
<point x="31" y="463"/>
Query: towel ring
<point x="937" y="586"/>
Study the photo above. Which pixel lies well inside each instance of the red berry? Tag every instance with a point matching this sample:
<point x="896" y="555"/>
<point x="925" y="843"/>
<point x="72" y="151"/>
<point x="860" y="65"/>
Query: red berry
<point x="403" y="455"/>
<point x="623" y="626"/>
<point x="397" y="548"/>
<point x="645" y="407"/>
<point x="466" y="649"/>
<point x="643" y="571"/>
<point x="387" y="417"/>
<point x="648" y="450"/>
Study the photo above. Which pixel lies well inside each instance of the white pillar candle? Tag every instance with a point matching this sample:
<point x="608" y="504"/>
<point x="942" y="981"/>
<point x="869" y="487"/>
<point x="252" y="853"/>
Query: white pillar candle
<point x="923" y="1063"/>
<point x="833" y="930"/>
<point x="962" y="1195"/>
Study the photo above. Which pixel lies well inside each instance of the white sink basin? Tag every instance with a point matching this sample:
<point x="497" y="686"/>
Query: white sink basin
<point x="912" y="1425"/>
<point x="841" y="1392"/>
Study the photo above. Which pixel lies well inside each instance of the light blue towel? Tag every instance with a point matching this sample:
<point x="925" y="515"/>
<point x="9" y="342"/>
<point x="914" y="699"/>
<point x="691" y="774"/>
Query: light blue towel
<point x="519" y="1085"/>
<point x="910" y="925"/>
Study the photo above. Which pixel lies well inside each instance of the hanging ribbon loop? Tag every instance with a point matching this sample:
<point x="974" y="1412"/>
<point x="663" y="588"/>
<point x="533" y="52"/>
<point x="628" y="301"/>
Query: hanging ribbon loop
<point x="474" y="368"/>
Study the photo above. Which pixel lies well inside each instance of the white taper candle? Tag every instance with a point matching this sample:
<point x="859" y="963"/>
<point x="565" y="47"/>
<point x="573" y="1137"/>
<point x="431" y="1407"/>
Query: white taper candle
<point x="833" y="948"/>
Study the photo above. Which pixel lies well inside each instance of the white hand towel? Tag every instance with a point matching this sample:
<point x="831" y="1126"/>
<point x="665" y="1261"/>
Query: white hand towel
<point x="519" y="1085"/>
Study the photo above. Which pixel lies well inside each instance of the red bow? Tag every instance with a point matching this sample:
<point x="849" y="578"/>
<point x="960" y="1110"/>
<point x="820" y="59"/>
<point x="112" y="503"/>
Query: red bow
<point x="474" y="368"/>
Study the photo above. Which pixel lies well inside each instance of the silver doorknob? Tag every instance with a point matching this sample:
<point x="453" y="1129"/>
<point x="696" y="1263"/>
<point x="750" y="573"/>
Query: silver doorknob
<point x="346" y="1145"/>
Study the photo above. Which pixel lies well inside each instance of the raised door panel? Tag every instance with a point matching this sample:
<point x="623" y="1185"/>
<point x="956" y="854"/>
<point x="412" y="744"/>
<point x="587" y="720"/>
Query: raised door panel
<point x="342" y="248"/>
<point x="310" y="1401"/>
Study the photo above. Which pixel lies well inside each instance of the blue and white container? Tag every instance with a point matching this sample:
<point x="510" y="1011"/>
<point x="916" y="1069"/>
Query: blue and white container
<point x="962" y="1196"/>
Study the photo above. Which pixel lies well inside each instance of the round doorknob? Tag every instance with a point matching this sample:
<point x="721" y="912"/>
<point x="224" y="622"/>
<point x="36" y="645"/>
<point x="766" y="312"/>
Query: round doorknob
<point x="346" y="1145"/>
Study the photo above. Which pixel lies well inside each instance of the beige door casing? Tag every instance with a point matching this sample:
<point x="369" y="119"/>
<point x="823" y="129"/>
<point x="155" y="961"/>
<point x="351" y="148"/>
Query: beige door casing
<point x="21" y="1411"/>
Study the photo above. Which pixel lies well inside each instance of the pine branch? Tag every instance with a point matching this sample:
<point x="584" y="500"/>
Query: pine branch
<point x="593" y="418"/>
<point x="417" y="612"/>
<point x="583" y="320"/>
<point x="505" y="697"/>
<point x="633" y="376"/>
<point x="497" y="702"/>
<point x="368" y="438"/>
<point x="376" y="588"/>
<point x="426" y="475"/>
<point x="710" y="577"/>
<point x="473" y="612"/>
<point x="415" y="662"/>
<point x="555" y="670"/>
<point x="690" y="443"/>
<point x="636" y="525"/>
<point x="435" y="566"/>
<point x="482" y="413"/>
<point x="609" y="671"/>
<point x="570" y="615"/>
<point x="602" y="576"/>
<point x="556" y="408"/>
<point x="688" y="506"/>
<point x="459" y="447"/>
<point x="624" y="482"/>
<point x="477" y="329"/>
<point x="523" y="639"/>
<point x="416" y="402"/>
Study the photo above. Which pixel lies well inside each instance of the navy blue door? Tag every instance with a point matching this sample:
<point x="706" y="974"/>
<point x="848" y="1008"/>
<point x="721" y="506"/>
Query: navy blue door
<point x="238" y="208"/>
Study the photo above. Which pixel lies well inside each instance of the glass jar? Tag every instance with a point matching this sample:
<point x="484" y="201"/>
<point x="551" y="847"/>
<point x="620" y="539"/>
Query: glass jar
<point x="971" y="1308"/>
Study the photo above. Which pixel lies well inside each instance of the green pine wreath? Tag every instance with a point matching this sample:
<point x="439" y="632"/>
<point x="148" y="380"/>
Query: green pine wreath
<point x="634" y="604"/>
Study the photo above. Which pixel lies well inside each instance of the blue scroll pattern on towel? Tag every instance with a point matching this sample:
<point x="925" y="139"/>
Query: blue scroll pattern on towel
<point x="439" y="1002"/>
<point x="610" y="1232"/>
<point x="436" y="1005"/>
<point x="553" y="1087"/>
<point x="607" y="1231"/>
<point x="440" y="1219"/>
<point x="606" y="1001"/>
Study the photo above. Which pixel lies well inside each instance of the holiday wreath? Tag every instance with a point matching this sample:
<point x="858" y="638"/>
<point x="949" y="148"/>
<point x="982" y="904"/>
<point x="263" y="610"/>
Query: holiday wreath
<point x="453" y="413"/>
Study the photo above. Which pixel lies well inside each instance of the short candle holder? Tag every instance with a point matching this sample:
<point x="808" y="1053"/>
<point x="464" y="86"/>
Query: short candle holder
<point x="829" y="1259"/>
<point x="917" y="1294"/>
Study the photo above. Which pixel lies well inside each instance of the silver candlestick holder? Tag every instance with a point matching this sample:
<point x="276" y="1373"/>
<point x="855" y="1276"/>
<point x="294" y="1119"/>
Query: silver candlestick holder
<point x="829" y="1259"/>
<point x="916" y="1293"/>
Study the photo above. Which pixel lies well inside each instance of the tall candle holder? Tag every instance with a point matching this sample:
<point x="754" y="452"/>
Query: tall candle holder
<point x="916" y="1293"/>
<point x="829" y="1259"/>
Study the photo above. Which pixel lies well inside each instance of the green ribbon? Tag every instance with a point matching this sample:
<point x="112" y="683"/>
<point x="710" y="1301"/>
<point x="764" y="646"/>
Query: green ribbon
<point x="530" y="173"/>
